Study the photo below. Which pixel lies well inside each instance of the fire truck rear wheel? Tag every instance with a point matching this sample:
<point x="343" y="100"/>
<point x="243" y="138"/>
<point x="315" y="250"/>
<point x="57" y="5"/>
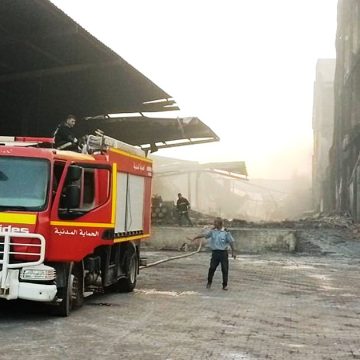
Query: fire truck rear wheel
<point x="128" y="283"/>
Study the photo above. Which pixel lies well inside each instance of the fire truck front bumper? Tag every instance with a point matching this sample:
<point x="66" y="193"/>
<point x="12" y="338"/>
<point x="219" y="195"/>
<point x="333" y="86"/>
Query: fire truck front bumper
<point x="15" y="289"/>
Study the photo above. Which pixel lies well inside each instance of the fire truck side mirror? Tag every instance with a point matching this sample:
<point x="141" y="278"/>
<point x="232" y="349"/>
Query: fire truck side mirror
<point x="72" y="196"/>
<point x="74" y="173"/>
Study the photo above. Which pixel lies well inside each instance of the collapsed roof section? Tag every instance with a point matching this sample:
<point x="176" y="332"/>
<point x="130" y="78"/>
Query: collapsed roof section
<point x="50" y="66"/>
<point x="234" y="167"/>
<point x="151" y="133"/>
<point x="164" y="167"/>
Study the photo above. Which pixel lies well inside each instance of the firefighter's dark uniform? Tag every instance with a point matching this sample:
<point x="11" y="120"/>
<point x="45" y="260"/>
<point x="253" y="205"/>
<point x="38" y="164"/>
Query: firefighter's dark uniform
<point x="65" y="138"/>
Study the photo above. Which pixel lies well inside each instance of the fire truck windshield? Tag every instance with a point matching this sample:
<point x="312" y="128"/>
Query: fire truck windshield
<point x="24" y="183"/>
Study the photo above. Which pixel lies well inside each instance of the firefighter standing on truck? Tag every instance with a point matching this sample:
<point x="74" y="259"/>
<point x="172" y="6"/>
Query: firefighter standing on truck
<point x="64" y="136"/>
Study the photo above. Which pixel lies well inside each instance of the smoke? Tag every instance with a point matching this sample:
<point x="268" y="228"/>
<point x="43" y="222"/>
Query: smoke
<point x="250" y="200"/>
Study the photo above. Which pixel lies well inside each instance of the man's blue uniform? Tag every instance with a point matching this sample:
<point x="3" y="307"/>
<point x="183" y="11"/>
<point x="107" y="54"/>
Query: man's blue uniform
<point x="219" y="241"/>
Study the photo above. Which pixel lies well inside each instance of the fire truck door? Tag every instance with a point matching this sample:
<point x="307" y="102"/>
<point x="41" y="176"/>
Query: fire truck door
<point x="86" y="195"/>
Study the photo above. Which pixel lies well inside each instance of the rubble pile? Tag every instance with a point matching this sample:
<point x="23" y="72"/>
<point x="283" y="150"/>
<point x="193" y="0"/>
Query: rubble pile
<point x="313" y="222"/>
<point x="165" y="213"/>
<point x="334" y="221"/>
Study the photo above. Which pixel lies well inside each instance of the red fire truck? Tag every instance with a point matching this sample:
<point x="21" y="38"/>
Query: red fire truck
<point x="71" y="223"/>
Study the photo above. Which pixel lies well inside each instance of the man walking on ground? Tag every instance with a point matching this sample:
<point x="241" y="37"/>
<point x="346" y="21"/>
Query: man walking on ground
<point x="183" y="206"/>
<point x="219" y="241"/>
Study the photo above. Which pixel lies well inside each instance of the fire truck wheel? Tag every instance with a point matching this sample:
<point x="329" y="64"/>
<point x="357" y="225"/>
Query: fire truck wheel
<point x="77" y="292"/>
<point x="64" y="293"/>
<point x="71" y="294"/>
<point x="128" y="283"/>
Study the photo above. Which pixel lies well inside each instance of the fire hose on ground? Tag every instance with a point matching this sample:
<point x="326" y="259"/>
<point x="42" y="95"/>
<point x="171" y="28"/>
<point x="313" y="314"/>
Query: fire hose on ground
<point x="172" y="258"/>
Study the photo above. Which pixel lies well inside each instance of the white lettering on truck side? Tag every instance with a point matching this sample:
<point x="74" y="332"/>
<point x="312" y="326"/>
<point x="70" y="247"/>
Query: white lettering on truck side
<point x="10" y="228"/>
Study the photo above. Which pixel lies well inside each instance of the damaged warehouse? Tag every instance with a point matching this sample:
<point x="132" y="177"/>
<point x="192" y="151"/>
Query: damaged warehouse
<point x="323" y="129"/>
<point x="345" y="152"/>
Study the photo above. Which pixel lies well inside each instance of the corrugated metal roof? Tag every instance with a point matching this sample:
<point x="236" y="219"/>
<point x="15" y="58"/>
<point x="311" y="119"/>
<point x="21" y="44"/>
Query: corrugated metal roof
<point x="151" y="132"/>
<point x="50" y="66"/>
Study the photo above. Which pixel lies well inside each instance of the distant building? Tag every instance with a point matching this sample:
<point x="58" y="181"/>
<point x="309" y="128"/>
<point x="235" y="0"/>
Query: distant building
<point x="323" y="126"/>
<point x="209" y="187"/>
<point x="223" y="189"/>
<point x="344" y="154"/>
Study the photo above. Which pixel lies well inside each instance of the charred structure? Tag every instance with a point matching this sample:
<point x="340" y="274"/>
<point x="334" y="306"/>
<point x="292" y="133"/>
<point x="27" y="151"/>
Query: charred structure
<point x="345" y="151"/>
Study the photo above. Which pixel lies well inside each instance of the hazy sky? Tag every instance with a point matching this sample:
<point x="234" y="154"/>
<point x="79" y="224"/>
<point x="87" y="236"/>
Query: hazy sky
<point x="244" y="67"/>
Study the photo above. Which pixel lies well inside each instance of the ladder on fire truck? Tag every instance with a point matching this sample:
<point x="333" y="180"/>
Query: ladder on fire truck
<point x="101" y="143"/>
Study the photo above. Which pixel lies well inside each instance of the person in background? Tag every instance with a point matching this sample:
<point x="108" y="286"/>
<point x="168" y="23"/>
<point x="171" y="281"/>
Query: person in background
<point x="183" y="206"/>
<point x="219" y="241"/>
<point x="64" y="136"/>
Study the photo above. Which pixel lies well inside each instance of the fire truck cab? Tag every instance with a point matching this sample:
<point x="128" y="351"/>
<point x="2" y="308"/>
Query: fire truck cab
<point x="71" y="223"/>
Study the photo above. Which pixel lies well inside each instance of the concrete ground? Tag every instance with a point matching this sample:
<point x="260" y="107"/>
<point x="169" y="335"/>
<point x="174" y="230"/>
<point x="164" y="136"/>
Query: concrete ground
<point x="277" y="307"/>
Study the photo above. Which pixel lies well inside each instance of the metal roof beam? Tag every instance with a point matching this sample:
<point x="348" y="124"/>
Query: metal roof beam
<point x="50" y="56"/>
<point x="8" y="40"/>
<point x="153" y="107"/>
<point x="72" y="30"/>
<point x="188" y="142"/>
<point x="28" y="75"/>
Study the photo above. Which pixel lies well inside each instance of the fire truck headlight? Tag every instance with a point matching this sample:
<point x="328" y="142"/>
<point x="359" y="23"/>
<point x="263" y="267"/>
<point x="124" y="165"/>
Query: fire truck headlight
<point x="38" y="273"/>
